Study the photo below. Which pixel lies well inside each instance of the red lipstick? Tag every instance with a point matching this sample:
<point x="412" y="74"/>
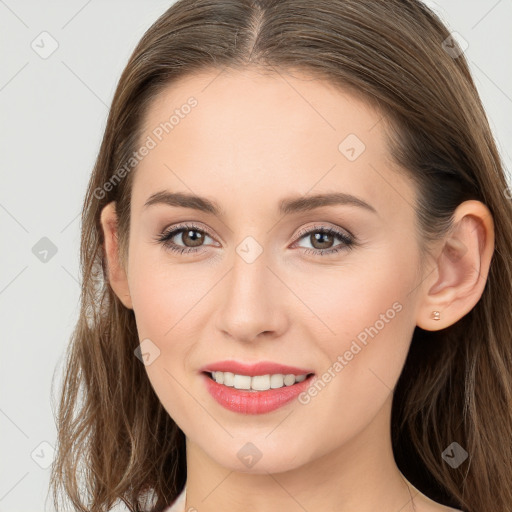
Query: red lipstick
<point x="249" y="401"/>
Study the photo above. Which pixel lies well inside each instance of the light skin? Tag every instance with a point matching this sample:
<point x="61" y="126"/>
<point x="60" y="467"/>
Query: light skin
<point x="252" y="141"/>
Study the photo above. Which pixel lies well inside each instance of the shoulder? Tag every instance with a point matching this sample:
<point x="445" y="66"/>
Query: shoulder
<point x="424" y="504"/>
<point x="179" y="503"/>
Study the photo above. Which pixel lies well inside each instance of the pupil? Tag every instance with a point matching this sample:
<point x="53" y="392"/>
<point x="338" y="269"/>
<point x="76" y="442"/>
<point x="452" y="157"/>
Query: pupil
<point x="196" y="240"/>
<point x="318" y="236"/>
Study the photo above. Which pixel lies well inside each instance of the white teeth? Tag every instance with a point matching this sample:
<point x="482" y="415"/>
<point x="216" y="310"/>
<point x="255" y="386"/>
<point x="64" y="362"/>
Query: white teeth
<point x="258" y="382"/>
<point x="277" y="381"/>
<point x="242" y="382"/>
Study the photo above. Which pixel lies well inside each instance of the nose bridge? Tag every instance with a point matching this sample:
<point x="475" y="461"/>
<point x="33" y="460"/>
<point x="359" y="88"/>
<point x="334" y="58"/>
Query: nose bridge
<point x="250" y="272"/>
<point x="249" y="304"/>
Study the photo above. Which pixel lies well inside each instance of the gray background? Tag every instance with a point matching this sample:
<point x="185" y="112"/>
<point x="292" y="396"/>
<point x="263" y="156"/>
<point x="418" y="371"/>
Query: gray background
<point x="53" y="112"/>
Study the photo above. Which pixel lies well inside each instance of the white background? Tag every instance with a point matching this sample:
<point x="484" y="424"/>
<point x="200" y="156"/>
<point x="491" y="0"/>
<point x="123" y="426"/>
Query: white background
<point x="53" y="112"/>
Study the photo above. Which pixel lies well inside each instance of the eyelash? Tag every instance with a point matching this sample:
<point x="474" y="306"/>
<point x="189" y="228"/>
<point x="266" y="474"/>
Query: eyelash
<point x="348" y="240"/>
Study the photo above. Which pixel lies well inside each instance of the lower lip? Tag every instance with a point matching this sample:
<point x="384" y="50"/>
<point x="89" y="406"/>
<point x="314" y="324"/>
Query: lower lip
<point x="254" y="402"/>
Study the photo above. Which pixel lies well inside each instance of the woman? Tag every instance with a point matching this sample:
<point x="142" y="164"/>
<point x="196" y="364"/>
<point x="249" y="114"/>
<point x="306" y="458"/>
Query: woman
<point x="296" y="252"/>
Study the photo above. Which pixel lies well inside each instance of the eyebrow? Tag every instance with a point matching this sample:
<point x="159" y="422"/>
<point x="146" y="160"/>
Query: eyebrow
<point x="286" y="206"/>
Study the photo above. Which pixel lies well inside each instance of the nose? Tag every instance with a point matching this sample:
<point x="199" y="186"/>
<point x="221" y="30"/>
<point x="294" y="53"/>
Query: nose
<point x="253" y="301"/>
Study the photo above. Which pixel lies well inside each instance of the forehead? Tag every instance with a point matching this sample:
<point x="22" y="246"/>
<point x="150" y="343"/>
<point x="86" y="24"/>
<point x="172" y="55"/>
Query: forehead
<point x="266" y="135"/>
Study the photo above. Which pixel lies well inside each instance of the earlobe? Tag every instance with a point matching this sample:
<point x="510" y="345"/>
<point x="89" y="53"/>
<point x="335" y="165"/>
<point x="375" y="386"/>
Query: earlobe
<point x="116" y="274"/>
<point x="458" y="279"/>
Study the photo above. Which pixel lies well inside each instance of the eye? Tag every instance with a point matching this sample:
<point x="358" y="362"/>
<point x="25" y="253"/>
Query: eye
<point x="192" y="236"/>
<point x="322" y="239"/>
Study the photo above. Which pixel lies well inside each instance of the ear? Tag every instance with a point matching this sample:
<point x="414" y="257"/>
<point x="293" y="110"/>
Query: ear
<point x="458" y="279"/>
<point x="116" y="274"/>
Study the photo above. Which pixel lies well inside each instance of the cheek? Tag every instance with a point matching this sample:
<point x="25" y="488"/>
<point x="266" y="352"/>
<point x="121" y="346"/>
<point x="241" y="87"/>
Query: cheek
<point x="163" y="293"/>
<point x="163" y="298"/>
<point x="169" y="302"/>
<point x="370" y="316"/>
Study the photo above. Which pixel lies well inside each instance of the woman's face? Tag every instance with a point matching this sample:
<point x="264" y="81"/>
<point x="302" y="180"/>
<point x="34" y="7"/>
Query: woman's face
<point x="264" y="283"/>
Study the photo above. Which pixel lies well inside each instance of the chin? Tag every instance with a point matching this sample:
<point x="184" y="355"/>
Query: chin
<point x="263" y="460"/>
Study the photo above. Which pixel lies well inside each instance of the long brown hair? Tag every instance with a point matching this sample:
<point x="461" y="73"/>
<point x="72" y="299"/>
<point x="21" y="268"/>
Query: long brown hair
<point x="116" y="442"/>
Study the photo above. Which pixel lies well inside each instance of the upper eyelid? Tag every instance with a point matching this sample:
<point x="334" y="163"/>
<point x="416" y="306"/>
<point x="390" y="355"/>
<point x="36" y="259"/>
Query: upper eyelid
<point x="341" y="231"/>
<point x="181" y="227"/>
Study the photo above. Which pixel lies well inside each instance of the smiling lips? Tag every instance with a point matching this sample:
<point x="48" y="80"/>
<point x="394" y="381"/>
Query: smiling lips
<point x="254" y="388"/>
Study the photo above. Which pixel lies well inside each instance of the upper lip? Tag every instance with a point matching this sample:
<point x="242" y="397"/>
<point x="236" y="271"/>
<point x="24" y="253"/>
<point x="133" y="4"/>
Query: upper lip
<point x="260" y="368"/>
